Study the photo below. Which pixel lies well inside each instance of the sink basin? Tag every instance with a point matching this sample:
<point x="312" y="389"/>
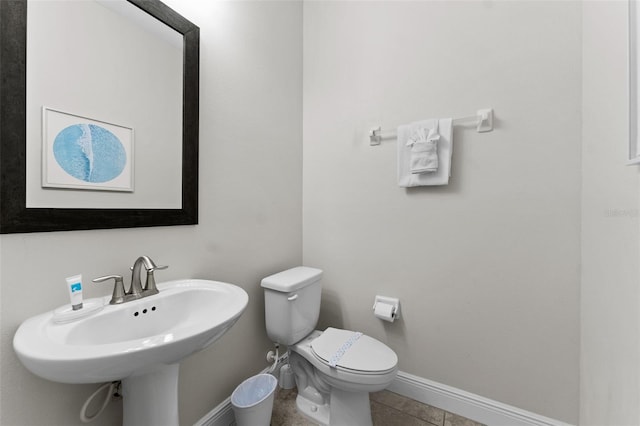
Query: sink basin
<point x="134" y="339"/>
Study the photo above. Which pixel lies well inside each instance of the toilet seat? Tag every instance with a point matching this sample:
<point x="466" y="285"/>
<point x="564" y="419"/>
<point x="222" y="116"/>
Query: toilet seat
<point x="356" y="353"/>
<point x="352" y="377"/>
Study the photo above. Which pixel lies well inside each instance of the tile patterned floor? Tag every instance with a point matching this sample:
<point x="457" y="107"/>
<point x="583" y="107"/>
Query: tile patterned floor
<point x="387" y="409"/>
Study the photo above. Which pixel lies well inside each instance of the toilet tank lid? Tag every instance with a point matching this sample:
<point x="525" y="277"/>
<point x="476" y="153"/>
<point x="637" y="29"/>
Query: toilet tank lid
<point x="292" y="279"/>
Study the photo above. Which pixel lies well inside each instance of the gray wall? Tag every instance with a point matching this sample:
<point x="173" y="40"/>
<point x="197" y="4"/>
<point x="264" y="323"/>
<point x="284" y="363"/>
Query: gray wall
<point x="250" y="216"/>
<point x="486" y="268"/>
<point x="610" y="337"/>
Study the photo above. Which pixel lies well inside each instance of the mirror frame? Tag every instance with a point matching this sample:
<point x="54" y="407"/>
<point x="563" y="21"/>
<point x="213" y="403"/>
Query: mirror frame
<point x="15" y="217"/>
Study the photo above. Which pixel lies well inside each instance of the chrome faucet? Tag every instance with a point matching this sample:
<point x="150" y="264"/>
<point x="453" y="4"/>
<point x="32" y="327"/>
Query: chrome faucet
<point x="136" y="291"/>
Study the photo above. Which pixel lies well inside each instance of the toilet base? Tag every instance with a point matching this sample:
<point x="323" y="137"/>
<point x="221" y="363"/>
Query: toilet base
<point x="350" y="408"/>
<point x="345" y="409"/>
<point x="313" y="411"/>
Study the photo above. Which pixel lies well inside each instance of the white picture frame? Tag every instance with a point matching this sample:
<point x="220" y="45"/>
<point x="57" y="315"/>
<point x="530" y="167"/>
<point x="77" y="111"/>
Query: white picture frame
<point x="84" y="153"/>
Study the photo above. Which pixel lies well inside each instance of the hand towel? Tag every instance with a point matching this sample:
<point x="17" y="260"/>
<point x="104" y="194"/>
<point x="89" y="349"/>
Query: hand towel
<point x="444" y="145"/>
<point x="424" y="150"/>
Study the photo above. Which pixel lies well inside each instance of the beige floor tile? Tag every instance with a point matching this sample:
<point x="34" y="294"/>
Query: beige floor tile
<point x="383" y="415"/>
<point x="388" y="398"/>
<point x="387" y="409"/>
<point x="409" y="406"/>
<point x="451" y="419"/>
<point x="285" y="412"/>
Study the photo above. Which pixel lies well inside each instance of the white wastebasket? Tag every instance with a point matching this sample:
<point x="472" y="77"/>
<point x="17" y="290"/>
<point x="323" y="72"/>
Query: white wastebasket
<point x="252" y="401"/>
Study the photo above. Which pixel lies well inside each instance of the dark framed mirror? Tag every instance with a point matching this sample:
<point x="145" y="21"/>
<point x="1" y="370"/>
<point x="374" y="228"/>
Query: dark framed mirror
<point x="15" y="214"/>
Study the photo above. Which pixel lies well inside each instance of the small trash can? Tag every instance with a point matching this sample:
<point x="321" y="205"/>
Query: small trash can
<point x="252" y="400"/>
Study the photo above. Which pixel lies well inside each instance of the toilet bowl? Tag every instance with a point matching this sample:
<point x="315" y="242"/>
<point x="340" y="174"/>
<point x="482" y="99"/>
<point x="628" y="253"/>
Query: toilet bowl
<point x="340" y="395"/>
<point x="334" y="370"/>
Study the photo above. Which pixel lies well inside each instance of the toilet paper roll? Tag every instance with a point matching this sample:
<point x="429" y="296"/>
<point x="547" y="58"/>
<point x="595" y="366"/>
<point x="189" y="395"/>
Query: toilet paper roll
<point x="384" y="311"/>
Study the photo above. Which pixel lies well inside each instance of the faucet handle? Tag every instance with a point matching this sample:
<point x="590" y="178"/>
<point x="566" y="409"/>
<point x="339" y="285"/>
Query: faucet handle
<point x="118" y="288"/>
<point x="158" y="268"/>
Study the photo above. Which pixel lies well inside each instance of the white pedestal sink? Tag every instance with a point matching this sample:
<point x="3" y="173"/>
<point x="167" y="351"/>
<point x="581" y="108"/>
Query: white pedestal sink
<point x="139" y="342"/>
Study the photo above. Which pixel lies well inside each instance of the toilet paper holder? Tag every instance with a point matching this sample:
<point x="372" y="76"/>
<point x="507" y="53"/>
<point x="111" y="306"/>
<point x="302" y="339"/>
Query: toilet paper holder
<point x="393" y="302"/>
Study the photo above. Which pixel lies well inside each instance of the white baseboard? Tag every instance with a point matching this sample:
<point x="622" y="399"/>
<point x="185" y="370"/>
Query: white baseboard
<point x="222" y="415"/>
<point x="466" y="404"/>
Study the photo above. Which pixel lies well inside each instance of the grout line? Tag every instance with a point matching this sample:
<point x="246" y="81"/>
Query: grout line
<point x="404" y="413"/>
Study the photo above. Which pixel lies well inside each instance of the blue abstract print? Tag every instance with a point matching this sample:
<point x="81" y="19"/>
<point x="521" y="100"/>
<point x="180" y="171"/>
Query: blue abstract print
<point x="90" y="153"/>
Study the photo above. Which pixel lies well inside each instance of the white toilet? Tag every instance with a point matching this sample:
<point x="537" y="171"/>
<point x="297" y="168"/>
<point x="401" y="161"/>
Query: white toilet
<point x="336" y="369"/>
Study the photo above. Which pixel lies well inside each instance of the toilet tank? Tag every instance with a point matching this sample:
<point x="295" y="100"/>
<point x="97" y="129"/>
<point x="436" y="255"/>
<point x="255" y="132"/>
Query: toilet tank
<point x="292" y="303"/>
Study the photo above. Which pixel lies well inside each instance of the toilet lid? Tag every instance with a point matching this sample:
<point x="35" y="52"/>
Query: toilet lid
<point x="354" y="351"/>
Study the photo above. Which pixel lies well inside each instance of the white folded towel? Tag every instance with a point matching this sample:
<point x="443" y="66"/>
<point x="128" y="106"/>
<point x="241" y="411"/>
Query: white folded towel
<point x="425" y="160"/>
<point x="424" y="150"/>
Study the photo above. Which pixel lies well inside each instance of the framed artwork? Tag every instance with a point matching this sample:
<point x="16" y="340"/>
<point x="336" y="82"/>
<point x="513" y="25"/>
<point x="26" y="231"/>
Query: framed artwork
<point x="85" y="153"/>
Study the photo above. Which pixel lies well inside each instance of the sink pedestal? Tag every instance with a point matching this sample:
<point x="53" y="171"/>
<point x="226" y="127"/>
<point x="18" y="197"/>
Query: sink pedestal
<point x="151" y="399"/>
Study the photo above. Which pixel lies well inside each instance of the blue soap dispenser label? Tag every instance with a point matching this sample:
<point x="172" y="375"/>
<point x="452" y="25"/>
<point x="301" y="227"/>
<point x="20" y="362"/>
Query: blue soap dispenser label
<point x="74" y="285"/>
